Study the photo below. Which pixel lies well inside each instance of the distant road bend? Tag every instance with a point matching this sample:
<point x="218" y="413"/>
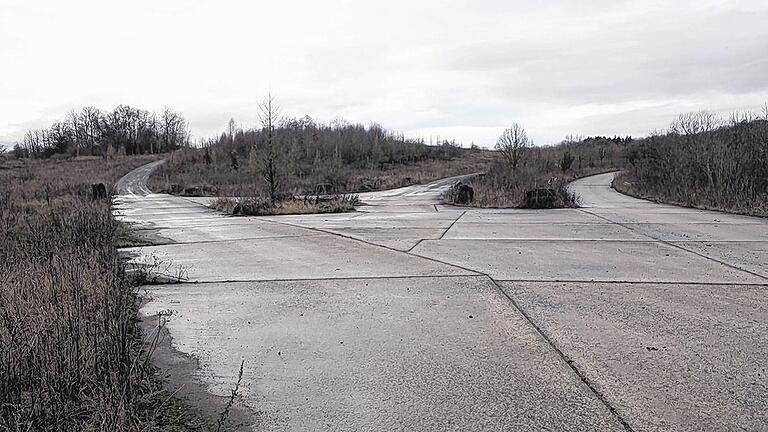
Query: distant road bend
<point x="412" y="315"/>
<point x="135" y="183"/>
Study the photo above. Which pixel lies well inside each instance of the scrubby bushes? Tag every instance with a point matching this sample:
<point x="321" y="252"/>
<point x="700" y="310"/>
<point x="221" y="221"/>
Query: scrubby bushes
<point x="703" y="161"/>
<point x="304" y="155"/>
<point x="522" y="168"/>
<point x="254" y="206"/>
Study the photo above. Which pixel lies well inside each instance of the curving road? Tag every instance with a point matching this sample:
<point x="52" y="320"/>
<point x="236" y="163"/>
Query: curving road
<point x="135" y="183"/>
<point x="411" y="315"/>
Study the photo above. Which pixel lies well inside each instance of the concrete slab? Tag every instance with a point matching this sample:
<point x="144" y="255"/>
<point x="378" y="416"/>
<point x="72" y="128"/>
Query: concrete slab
<point x="396" y="238"/>
<point x="541" y="231"/>
<point x="673" y="215"/>
<point x="517" y="216"/>
<point x="581" y="261"/>
<point x="750" y="256"/>
<point x="703" y="231"/>
<point x="412" y="359"/>
<point x="392" y="208"/>
<point x="252" y="230"/>
<point x="667" y="357"/>
<point x="379" y="355"/>
<point x="380" y="220"/>
<point x="309" y="257"/>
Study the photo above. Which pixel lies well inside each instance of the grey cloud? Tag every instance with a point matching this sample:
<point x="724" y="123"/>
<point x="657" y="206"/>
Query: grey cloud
<point x="654" y="57"/>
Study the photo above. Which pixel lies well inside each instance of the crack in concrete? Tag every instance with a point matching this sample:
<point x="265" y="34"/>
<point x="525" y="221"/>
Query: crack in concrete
<point x="374" y="245"/>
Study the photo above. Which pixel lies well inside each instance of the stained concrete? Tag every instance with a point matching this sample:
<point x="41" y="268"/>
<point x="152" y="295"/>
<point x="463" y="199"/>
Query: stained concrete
<point x="397" y="280"/>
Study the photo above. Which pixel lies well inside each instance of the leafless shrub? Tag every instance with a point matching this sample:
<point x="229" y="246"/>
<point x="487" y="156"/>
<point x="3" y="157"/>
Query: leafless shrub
<point x="704" y="162"/>
<point x="251" y="206"/>
<point x="546" y="168"/>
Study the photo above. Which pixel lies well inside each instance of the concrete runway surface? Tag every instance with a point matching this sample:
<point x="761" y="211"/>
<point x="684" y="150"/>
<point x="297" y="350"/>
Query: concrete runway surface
<point x="412" y="315"/>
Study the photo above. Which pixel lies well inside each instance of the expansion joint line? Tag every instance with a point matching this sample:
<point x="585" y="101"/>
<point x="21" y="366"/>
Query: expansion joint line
<point x="514" y="304"/>
<point x="564" y="357"/>
<point x="320" y="230"/>
<point x="452" y="224"/>
<point x="676" y="246"/>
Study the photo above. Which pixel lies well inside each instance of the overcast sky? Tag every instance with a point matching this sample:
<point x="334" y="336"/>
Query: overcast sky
<point x="461" y="69"/>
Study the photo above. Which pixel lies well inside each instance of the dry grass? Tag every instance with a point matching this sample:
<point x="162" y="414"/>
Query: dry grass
<point x="71" y="356"/>
<point x="293" y="206"/>
<point x="627" y="184"/>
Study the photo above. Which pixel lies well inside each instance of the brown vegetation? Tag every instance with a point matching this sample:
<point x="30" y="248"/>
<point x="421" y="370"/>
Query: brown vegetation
<point x="186" y="173"/>
<point x="548" y="170"/>
<point x="256" y="206"/>
<point x="283" y="159"/>
<point x="703" y="161"/>
<point x="123" y="131"/>
<point x="71" y="356"/>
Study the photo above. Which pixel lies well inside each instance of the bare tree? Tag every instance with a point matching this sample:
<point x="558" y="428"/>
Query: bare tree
<point x="232" y="128"/>
<point x="92" y="120"/>
<point x="512" y="145"/>
<point x="173" y="129"/>
<point x="695" y="122"/>
<point x="77" y="132"/>
<point x="269" y="114"/>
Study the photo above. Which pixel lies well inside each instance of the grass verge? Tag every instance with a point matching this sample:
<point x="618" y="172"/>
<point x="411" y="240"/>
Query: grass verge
<point x="71" y="354"/>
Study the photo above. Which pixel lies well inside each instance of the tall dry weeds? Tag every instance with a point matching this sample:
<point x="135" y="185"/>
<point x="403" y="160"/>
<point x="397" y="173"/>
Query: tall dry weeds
<point x="70" y="351"/>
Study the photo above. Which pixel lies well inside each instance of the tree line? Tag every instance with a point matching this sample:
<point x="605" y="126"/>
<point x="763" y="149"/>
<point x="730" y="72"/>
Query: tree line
<point x="305" y="146"/>
<point x="302" y="148"/>
<point x="705" y="160"/>
<point x="287" y="155"/>
<point x="522" y="168"/>
<point x="122" y="131"/>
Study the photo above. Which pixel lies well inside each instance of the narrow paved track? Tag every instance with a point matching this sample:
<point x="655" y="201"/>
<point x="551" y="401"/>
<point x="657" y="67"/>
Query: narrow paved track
<point x="411" y="315"/>
<point x="135" y="183"/>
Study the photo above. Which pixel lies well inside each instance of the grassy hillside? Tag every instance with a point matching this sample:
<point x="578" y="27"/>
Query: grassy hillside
<point x="305" y="157"/>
